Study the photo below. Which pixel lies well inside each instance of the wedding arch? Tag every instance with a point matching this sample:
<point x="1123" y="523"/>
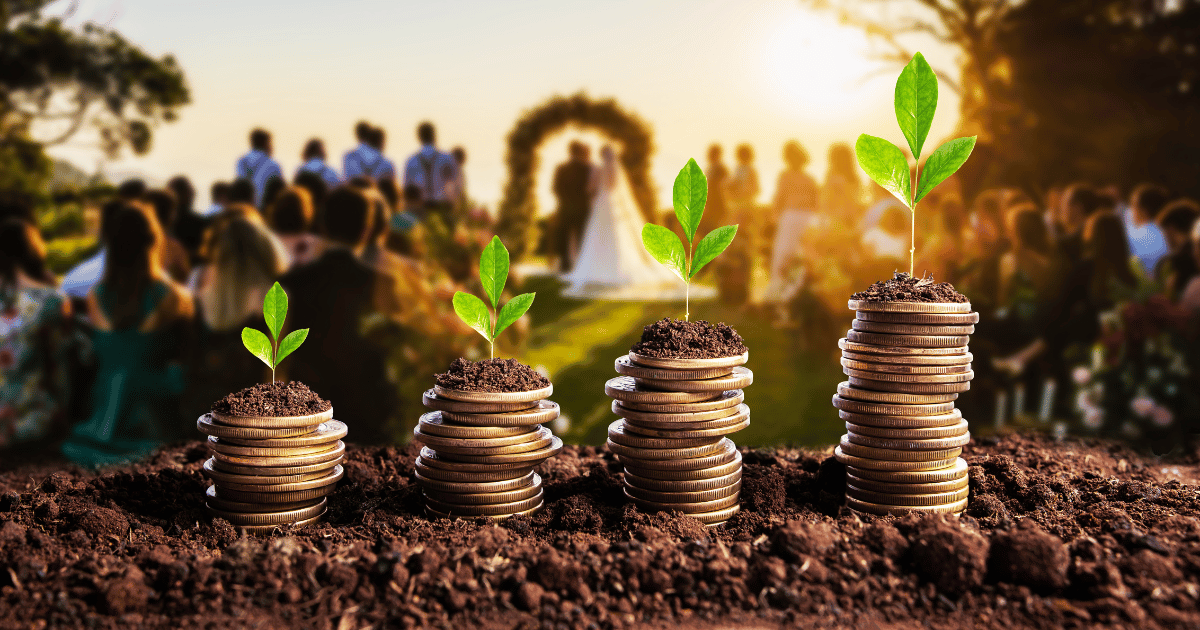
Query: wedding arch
<point x="518" y="208"/>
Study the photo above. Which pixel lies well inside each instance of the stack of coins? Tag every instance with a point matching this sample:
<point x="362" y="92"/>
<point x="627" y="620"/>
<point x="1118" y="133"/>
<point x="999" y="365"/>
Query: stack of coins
<point x="675" y="414"/>
<point x="271" y="471"/>
<point x="907" y="362"/>
<point x="481" y="449"/>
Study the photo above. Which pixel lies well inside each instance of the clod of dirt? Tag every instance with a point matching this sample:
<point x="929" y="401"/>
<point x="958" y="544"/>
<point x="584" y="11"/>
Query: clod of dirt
<point x="1030" y="556"/>
<point x="273" y="399"/>
<point x="905" y="288"/>
<point x="491" y="375"/>
<point x="947" y="552"/>
<point x="676" y="339"/>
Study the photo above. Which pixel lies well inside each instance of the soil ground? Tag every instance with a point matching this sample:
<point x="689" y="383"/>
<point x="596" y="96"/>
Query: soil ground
<point x="1059" y="534"/>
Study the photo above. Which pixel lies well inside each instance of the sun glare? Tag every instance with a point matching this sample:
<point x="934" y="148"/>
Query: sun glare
<point x="812" y="63"/>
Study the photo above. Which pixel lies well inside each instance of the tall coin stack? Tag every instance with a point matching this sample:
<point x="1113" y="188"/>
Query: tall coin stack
<point x="675" y="414"/>
<point x="481" y="449"/>
<point x="906" y="362"/>
<point x="271" y="471"/>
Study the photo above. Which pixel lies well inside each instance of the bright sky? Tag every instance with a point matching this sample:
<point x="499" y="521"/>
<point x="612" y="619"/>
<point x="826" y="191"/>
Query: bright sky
<point x="700" y="71"/>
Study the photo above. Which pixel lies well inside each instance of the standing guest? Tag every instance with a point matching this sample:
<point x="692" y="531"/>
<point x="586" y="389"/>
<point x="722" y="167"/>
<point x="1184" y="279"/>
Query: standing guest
<point x="1146" y="240"/>
<point x="140" y="321"/>
<point x="175" y="258"/>
<point x="34" y="318"/>
<point x="366" y="159"/>
<point x="840" y="203"/>
<point x="574" y="202"/>
<point x="716" y="211"/>
<point x="430" y="170"/>
<point x="1178" y="268"/>
<point x="1079" y="202"/>
<point x="221" y="193"/>
<point x="314" y="162"/>
<point x="257" y="166"/>
<point x="290" y="218"/>
<point x="743" y="187"/>
<point x="796" y="206"/>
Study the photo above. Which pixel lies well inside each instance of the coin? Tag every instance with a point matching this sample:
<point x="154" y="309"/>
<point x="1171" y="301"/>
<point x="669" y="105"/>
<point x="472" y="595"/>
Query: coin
<point x="543" y="439"/>
<point x="944" y="360"/>
<point x="683" y="485"/>
<point x="435" y="423"/>
<point x="618" y="435"/>
<point x="498" y="517"/>
<point x="894" y="368"/>
<point x="698" y="496"/>
<point x="454" y="476"/>
<point x="624" y="388"/>
<point x="267" y="529"/>
<point x="272" y="422"/>
<point x="545" y="411"/>
<point x="274" y="471"/>
<point x="271" y="518"/>
<point x="910" y="307"/>
<point x="431" y="400"/>
<point x="255" y="479"/>
<point x="910" y="329"/>
<point x="733" y="464"/>
<point x="484" y="498"/>
<point x="889" y="465"/>
<point x="909" y="341"/>
<point x="299" y="460"/>
<point x="206" y="425"/>
<point x="432" y="459"/>
<point x="218" y="445"/>
<point x="904" y="433"/>
<point x="739" y="379"/>
<point x="940" y="319"/>
<point x="884" y="498"/>
<point x="887" y="409"/>
<point x="725" y="400"/>
<point x="296" y="486"/>
<point x="717" y="517"/>
<point x="926" y="379"/>
<point x="212" y="500"/>
<point x="883" y="510"/>
<point x="438" y="442"/>
<point x="900" y="351"/>
<point x="524" y="481"/>
<point x="931" y="455"/>
<point x="689" y="364"/>
<point x="907" y="488"/>
<point x="846" y="389"/>
<point x="267" y="500"/>
<point x="626" y="367"/>
<point x="903" y="444"/>
<point x="901" y="423"/>
<point x="675" y="454"/>
<point x="952" y="470"/>
<point x="531" y="396"/>
<point x="686" y="508"/>
<point x="649" y="418"/>
<point x="325" y="434"/>
<point x="909" y="388"/>
<point x="642" y="466"/>
<point x="495" y="509"/>
<point x="539" y="456"/>
<point x="716" y="428"/>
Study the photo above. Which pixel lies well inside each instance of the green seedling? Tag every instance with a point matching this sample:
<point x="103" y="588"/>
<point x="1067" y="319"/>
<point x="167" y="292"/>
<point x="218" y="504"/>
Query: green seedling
<point x="493" y="273"/>
<point x="688" y="197"/>
<point x="272" y="351"/>
<point x="915" y="101"/>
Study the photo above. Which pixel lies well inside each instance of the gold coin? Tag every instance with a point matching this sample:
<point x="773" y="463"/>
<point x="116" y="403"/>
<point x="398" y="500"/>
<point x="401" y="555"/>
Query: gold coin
<point x="642" y="466"/>
<point x="716" y="428"/>
<point x="543" y="439"/>
<point x="959" y="483"/>
<point x="624" y="389"/>
<point x="725" y="400"/>
<point x="909" y="388"/>
<point x="739" y="379"/>
<point x="325" y="434"/>
<point x="207" y="426"/>
<point x="476" y="487"/>
<point x="494" y="509"/>
<point x="212" y="500"/>
<point x="927" y="379"/>
<point x="438" y="442"/>
<point x="689" y="364"/>
<point x="890" y="409"/>
<point x="267" y="529"/>
<point x="432" y="459"/>
<point x="648" y="418"/>
<point x="902" y="444"/>
<point x="618" y="435"/>
<point x="717" y="517"/>
<point x="910" y="307"/>
<point x="531" y="396"/>
<point x="270" y="518"/>
<point x="900" y="351"/>
<point x="217" y="445"/>
<point x="910" y="360"/>
<point x="911" y="329"/>
<point x="675" y="454"/>
<point x="499" y="517"/>
<point x="729" y="467"/>
<point x="333" y="477"/>
<point x="545" y="411"/>
<point x="909" y="341"/>
<point x="889" y="464"/>
<point x="683" y="485"/>
<point x="931" y="455"/>
<point x="939" y="319"/>
<point x="276" y="462"/>
<point x="267" y="498"/>
<point x="902" y="433"/>
<point x="952" y="470"/>
<point x="846" y="389"/>
<point x="503" y="473"/>
<point x="272" y="422"/>
<point x="258" y="480"/>
<point x="918" y="500"/>
<point x="697" y="496"/>
<point x="626" y="367"/>
<point x="485" y="498"/>
<point x="898" y="510"/>
<point x="435" y="423"/>
<point x="539" y="456"/>
<point x="431" y="400"/>
<point x="884" y="423"/>
<point x="894" y="368"/>
<point x="274" y="471"/>
<point x="687" y="508"/>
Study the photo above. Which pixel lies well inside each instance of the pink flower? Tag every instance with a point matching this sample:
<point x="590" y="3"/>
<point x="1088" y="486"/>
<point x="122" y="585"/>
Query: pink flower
<point x="1162" y="416"/>
<point x="1093" y="418"/>
<point x="1142" y="405"/>
<point x="1081" y="375"/>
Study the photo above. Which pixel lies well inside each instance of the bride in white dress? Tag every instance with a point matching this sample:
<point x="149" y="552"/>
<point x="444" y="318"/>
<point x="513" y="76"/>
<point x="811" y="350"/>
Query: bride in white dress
<point x="612" y="263"/>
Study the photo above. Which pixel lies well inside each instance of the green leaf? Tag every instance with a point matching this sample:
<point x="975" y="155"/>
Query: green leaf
<point x="885" y="163"/>
<point x="943" y="162"/>
<point x="275" y="308"/>
<point x="290" y="343"/>
<point x="473" y="312"/>
<point x="666" y="248"/>
<point x="916" y="100"/>
<point x="688" y="197"/>
<point x="513" y="311"/>
<point x="258" y="345"/>
<point x="493" y="270"/>
<point x="711" y="246"/>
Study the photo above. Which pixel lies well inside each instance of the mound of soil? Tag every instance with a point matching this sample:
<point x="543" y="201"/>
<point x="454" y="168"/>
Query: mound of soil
<point x="677" y="339"/>
<point x="1071" y="534"/>
<point x="273" y="399"/>
<point x="491" y="375"/>
<point x="905" y="288"/>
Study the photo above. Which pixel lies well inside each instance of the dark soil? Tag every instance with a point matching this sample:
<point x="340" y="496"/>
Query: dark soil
<point x="491" y="375"/>
<point x="905" y="288"/>
<point x="273" y="399"/>
<point x="677" y="339"/>
<point x="1072" y="534"/>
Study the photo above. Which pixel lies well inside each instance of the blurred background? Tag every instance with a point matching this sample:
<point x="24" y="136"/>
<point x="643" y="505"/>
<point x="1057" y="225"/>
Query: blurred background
<point x="162" y="164"/>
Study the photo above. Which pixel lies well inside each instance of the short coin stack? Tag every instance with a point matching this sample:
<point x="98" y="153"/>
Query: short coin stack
<point x="907" y="362"/>
<point x="271" y="471"/>
<point x="675" y="414"/>
<point x="480" y="451"/>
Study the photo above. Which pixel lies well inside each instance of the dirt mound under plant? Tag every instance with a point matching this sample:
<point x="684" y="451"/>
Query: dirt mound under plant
<point x="273" y="399"/>
<point x="678" y="339"/>
<point x="491" y="375"/>
<point x="905" y="288"/>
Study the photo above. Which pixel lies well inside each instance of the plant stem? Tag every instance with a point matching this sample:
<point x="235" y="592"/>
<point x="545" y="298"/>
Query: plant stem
<point x="687" y="287"/>
<point x="912" y="249"/>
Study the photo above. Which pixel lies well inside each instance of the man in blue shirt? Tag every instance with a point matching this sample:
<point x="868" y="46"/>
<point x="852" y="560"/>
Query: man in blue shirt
<point x="431" y="171"/>
<point x="314" y="162"/>
<point x="1146" y="240"/>
<point x="367" y="160"/>
<point x="257" y="166"/>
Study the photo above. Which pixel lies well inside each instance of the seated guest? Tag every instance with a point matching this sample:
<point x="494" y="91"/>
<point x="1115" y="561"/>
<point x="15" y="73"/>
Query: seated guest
<point x="174" y="257"/>
<point x="242" y="191"/>
<point x="1178" y="267"/>
<point x="1191" y="294"/>
<point x="82" y="277"/>
<point x="221" y="196"/>
<point x="1146" y="240"/>
<point x="314" y="162"/>
<point x="290" y="218"/>
<point x="189" y="224"/>
<point x="140" y="321"/>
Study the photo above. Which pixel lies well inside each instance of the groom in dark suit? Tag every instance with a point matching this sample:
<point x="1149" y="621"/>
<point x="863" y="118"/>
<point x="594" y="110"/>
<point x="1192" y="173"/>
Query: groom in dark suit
<point x="574" y="204"/>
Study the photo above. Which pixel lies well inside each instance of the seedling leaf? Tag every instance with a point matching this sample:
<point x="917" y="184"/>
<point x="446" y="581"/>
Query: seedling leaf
<point x="493" y="270"/>
<point x="943" y="163"/>
<point x="916" y="100"/>
<point x="885" y="163"/>
<point x="290" y="343"/>
<point x="666" y="248"/>
<point x="711" y="246"/>
<point x="275" y="308"/>
<point x="258" y="345"/>
<point x="513" y="311"/>
<point x="473" y="312"/>
<point x="688" y="196"/>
